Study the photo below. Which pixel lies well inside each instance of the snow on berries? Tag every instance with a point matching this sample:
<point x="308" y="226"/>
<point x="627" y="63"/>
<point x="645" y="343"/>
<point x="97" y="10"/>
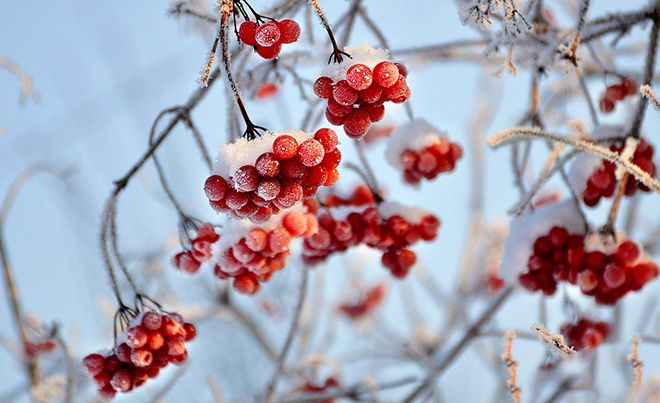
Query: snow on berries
<point x="267" y="38"/>
<point x="152" y="341"/>
<point x="257" y="178"/>
<point x="615" y="93"/>
<point x="595" y="178"/>
<point x="420" y="150"/>
<point x="251" y="253"/>
<point x="387" y="226"/>
<point x="585" y="333"/>
<point x="357" y="88"/>
<point x="200" y="251"/>
<point x="548" y="246"/>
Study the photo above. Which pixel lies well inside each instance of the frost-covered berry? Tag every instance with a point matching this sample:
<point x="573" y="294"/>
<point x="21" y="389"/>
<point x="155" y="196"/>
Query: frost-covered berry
<point x="267" y="34"/>
<point x="290" y="31"/>
<point x="247" y="32"/>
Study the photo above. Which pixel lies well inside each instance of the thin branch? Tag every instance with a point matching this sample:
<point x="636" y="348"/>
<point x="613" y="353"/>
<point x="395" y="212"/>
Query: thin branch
<point x="649" y="69"/>
<point x="293" y="329"/>
<point x="511" y="366"/>
<point x="472" y="332"/>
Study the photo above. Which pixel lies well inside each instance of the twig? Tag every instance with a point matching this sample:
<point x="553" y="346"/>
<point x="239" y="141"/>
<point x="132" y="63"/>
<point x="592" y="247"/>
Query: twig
<point x="454" y="352"/>
<point x="518" y="133"/>
<point x="637" y="364"/>
<point x="554" y="340"/>
<point x="649" y="69"/>
<point x="511" y="365"/>
<point x="647" y="92"/>
<point x="295" y="323"/>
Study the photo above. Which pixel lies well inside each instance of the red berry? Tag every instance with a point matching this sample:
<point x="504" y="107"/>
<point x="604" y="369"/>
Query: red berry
<point x="122" y="381"/>
<point x="344" y="94"/>
<point x="311" y="153"/>
<point x="295" y="223"/>
<point x="359" y="77"/>
<point x="256" y="239"/>
<point x="327" y="137"/>
<point x="279" y="240"/>
<point x="293" y="169"/>
<point x="357" y="123"/>
<point x="268" y="165"/>
<point x="246" y="178"/>
<point x="323" y="87"/>
<point x="268" y="188"/>
<point x="289" y="195"/>
<point x="141" y="358"/>
<point x="630" y="86"/>
<point x="176" y="346"/>
<point x="155" y="341"/>
<point x="267" y="34"/>
<point x="269" y="52"/>
<point x="290" y="31"/>
<point x="236" y="200"/>
<point x="386" y="74"/>
<point x="606" y="105"/>
<point x="403" y="71"/>
<point x="94" y="364"/>
<point x="215" y="187"/>
<point x="371" y="95"/>
<point x="246" y="283"/>
<point x="376" y="112"/>
<point x="285" y="147"/>
<point x="190" y="330"/>
<point x="247" y="31"/>
<point x="136" y="337"/>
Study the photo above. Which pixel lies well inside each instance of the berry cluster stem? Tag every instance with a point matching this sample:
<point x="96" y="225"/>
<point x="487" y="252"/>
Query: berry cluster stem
<point x="337" y="54"/>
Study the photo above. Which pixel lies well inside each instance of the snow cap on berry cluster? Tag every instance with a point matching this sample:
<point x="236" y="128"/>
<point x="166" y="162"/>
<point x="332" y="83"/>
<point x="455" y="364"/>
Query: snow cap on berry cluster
<point x="415" y="135"/>
<point x="242" y="151"/>
<point x="364" y="54"/>
<point x="235" y="229"/>
<point x="585" y="163"/>
<point x="525" y="229"/>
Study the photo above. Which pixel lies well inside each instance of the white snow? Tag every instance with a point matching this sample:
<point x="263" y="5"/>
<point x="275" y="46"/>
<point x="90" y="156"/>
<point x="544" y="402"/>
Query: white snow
<point x="585" y="164"/>
<point x="245" y="152"/>
<point x="235" y="229"/>
<point x="414" y="135"/>
<point x="525" y="229"/>
<point x="364" y="54"/>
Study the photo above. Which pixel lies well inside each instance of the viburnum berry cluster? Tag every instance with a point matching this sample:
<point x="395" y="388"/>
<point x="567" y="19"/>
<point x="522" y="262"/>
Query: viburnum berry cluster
<point x="602" y="182"/>
<point x="367" y="303"/>
<point x="251" y="254"/>
<point x="387" y="226"/>
<point x="615" y="93"/>
<point x="606" y="272"/>
<point x="267" y="38"/>
<point x="420" y="150"/>
<point x="585" y="333"/>
<point x="200" y="251"/>
<point x="257" y="178"/>
<point x="153" y="340"/>
<point x="358" y="87"/>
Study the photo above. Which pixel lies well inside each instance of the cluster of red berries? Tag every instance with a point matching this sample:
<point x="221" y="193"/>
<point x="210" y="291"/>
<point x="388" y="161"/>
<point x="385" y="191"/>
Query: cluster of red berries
<point x="157" y="340"/>
<point x="201" y="250"/>
<point x="585" y="333"/>
<point x="261" y="252"/>
<point x="433" y="160"/>
<point x="602" y="183"/>
<point x="615" y="93"/>
<point x="278" y="179"/>
<point x="560" y="256"/>
<point x="371" y="299"/>
<point x="392" y="234"/>
<point x="312" y="387"/>
<point x="267" y="38"/>
<point x="357" y="101"/>
<point x="34" y="349"/>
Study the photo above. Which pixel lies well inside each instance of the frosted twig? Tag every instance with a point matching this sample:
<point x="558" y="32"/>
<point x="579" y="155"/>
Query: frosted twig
<point x="649" y="69"/>
<point x="518" y="133"/>
<point x="511" y="366"/>
<point x="556" y="341"/>
<point x="647" y="92"/>
<point x="182" y="8"/>
<point x="215" y="390"/>
<point x="637" y="364"/>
